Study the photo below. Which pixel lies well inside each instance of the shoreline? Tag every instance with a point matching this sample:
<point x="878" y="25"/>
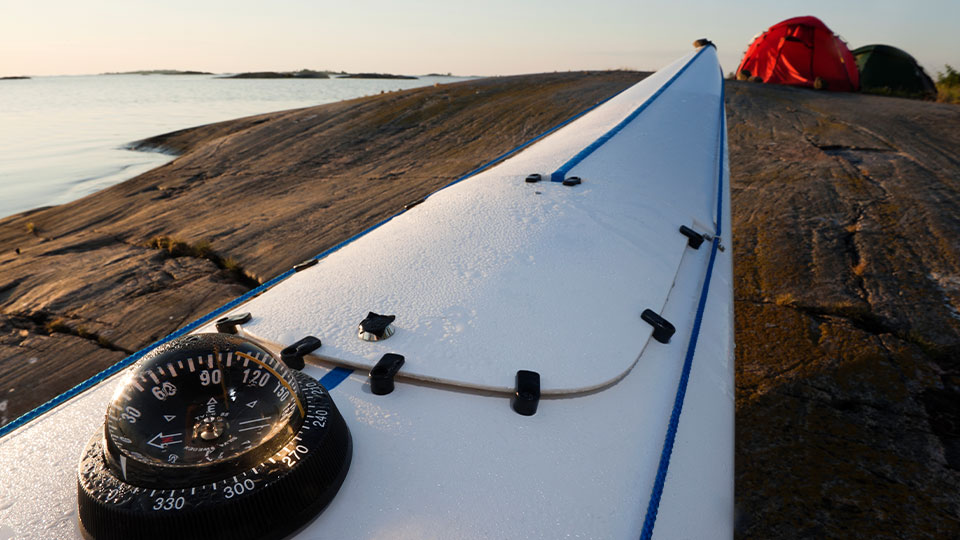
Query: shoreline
<point x="40" y="170"/>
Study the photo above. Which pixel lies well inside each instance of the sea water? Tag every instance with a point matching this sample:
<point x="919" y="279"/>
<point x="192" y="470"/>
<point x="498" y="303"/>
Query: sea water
<point x="64" y="137"/>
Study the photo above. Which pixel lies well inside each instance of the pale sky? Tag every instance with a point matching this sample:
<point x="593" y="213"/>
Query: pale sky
<point x="491" y="37"/>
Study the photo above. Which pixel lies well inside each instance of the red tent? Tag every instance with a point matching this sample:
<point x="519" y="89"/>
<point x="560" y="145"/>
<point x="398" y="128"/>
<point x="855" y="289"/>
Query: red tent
<point x="799" y="51"/>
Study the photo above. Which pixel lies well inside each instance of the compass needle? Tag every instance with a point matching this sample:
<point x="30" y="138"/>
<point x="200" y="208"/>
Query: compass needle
<point x="223" y="379"/>
<point x="169" y="430"/>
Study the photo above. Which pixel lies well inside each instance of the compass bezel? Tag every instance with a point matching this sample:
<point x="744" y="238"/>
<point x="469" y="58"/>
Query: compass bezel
<point x="268" y="500"/>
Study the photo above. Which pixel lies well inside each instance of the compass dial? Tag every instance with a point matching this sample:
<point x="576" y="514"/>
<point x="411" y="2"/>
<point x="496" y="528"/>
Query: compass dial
<point x="208" y="410"/>
<point x="215" y="433"/>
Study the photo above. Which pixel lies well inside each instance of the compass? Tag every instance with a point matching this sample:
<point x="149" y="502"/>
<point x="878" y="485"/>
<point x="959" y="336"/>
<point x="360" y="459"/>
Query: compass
<point x="210" y="436"/>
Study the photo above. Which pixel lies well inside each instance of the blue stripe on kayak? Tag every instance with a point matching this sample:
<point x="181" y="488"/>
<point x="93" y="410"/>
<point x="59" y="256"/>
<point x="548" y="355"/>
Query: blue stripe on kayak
<point x="128" y="361"/>
<point x="517" y="148"/>
<point x="723" y="145"/>
<point x="334" y="377"/>
<point x="560" y="174"/>
<point x="654" y="505"/>
<point x="661" y="478"/>
<point x="119" y="366"/>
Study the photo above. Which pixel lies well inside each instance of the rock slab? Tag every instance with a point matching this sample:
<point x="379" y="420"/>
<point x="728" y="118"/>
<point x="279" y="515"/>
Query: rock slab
<point x="846" y="217"/>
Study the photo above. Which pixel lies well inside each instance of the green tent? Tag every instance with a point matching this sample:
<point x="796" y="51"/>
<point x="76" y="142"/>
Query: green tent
<point x="886" y="67"/>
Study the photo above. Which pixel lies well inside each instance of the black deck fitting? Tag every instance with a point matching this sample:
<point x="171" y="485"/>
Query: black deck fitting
<point x="694" y="239"/>
<point x="382" y="374"/>
<point x="304" y="265"/>
<point x="414" y="203"/>
<point x="703" y="42"/>
<point x="527" y="395"/>
<point x="376" y="324"/>
<point x="293" y="355"/>
<point x="228" y="325"/>
<point x="572" y="181"/>
<point x="533" y="178"/>
<point x="662" y="329"/>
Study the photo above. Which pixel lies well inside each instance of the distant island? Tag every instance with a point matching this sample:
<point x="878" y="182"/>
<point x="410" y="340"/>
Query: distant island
<point x="311" y="74"/>
<point x="375" y="76"/>
<point x="302" y="74"/>
<point x="158" y="72"/>
<point x="14" y="78"/>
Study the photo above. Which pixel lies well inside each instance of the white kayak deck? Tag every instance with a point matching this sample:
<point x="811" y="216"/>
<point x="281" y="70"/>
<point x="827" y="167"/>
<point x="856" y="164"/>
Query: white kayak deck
<point x="494" y="275"/>
<point x="487" y="277"/>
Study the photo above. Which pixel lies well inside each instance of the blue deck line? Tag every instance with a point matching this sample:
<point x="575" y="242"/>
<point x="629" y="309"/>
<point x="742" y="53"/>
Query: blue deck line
<point x="654" y="505"/>
<point x="334" y="377"/>
<point x="560" y="174"/>
<point x="335" y="380"/>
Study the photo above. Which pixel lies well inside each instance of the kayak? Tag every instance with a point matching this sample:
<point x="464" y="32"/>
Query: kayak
<point x="543" y="349"/>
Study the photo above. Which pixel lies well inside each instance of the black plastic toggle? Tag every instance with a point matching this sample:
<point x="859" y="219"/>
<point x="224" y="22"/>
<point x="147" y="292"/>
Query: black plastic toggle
<point x="228" y="325"/>
<point x="703" y="42"/>
<point x="293" y="355"/>
<point x="662" y="329"/>
<point x="527" y="396"/>
<point x="304" y="265"/>
<point x="694" y="239"/>
<point x="533" y="178"/>
<point x="572" y="181"/>
<point x="382" y="374"/>
<point x="376" y="324"/>
<point x="414" y="203"/>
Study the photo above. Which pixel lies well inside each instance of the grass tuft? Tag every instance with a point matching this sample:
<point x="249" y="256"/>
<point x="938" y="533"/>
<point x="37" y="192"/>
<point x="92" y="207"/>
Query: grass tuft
<point x="203" y="249"/>
<point x="58" y="326"/>
<point x="173" y="246"/>
<point x="231" y="265"/>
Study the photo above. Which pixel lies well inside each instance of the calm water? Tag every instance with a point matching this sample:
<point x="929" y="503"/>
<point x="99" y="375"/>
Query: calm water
<point x="61" y="137"/>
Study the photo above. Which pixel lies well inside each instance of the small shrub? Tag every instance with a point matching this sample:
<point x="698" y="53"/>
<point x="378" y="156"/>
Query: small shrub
<point x="948" y="94"/>
<point x="949" y="77"/>
<point x="32" y="228"/>
<point x="948" y="85"/>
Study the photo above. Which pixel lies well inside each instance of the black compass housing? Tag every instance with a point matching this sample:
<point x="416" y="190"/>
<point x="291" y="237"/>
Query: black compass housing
<point x="212" y="437"/>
